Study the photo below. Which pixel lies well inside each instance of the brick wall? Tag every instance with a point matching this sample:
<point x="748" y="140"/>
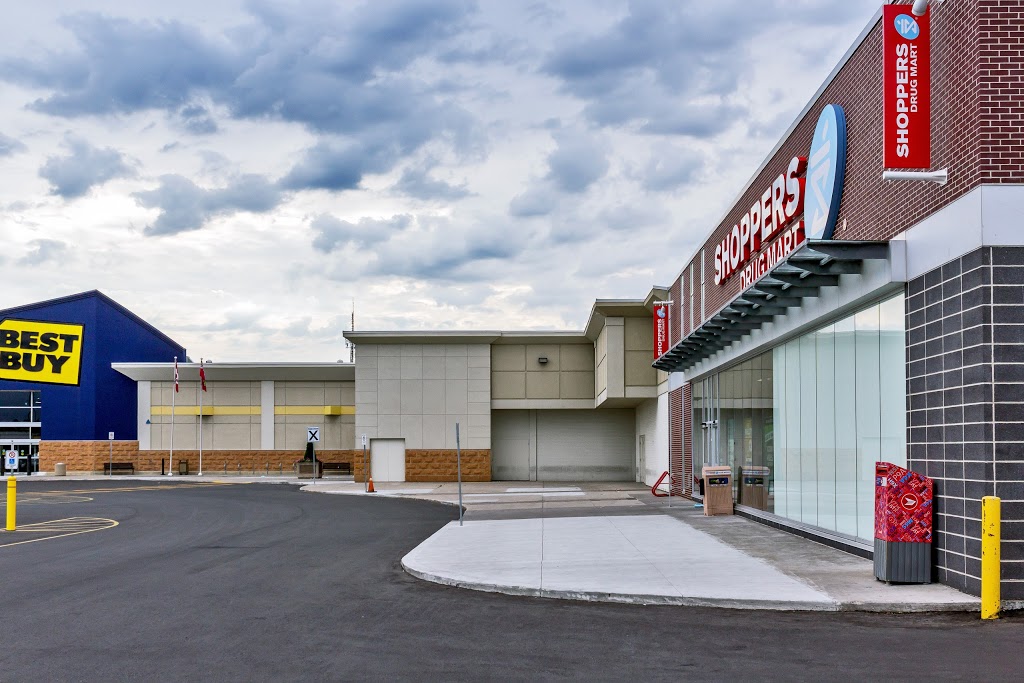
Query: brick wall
<point x="89" y="456"/>
<point x="977" y="121"/>
<point x="86" y="456"/>
<point x="1000" y="35"/>
<point x="440" y="465"/>
<point x="675" y="441"/>
<point x="965" y="395"/>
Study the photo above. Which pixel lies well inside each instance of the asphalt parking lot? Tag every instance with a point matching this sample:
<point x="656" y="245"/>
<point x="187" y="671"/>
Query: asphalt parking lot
<point x="135" y="580"/>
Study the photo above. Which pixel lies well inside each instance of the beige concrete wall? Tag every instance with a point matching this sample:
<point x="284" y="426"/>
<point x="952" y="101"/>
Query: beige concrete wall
<point x="639" y="345"/>
<point x="336" y="431"/>
<point x="601" y="363"/>
<point x="235" y="422"/>
<point x="418" y="392"/>
<point x="517" y="374"/>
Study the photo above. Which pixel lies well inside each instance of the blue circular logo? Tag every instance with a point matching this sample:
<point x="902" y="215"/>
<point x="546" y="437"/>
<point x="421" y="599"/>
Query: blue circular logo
<point x="826" y="171"/>
<point x="907" y="27"/>
<point x="661" y="312"/>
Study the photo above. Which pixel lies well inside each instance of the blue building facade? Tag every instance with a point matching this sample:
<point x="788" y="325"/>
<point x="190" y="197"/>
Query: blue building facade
<point x="102" y="400"/>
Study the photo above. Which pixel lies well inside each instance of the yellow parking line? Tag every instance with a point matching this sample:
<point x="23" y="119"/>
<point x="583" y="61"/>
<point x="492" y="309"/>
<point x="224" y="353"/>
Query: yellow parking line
<point x="78" y="525"/>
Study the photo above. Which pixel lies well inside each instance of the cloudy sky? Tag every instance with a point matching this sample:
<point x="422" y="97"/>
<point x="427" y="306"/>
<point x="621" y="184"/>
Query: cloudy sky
<point x="238" y="172"/>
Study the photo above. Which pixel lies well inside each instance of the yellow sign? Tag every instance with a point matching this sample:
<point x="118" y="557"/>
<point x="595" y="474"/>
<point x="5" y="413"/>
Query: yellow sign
<point x="33" y="351"/>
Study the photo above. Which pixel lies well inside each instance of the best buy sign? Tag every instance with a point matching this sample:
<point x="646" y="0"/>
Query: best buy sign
<point x="33" y="351"/>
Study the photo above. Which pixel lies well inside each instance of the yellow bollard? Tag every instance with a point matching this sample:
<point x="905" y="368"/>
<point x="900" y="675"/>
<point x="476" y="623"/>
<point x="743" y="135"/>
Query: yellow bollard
<point x="990" y="573"/>
<point x="12" y="495"/>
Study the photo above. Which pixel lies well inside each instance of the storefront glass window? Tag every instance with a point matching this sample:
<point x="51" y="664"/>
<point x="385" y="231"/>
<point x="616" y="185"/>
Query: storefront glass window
<point x="803" y="424"/>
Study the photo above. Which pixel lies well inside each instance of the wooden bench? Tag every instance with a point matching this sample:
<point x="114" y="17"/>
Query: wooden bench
<point x="338" y="468"/>
<point x="124" y="467"/>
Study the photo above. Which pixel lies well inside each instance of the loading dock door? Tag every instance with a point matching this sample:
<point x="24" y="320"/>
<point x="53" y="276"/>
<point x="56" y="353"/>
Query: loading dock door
<point x="510" y="445"/>
<point x="586" y="445"/>
<point x="387" y="459"/>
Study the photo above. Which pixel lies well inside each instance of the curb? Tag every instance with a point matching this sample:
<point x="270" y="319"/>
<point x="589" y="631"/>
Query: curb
<point x="692" y="601"/>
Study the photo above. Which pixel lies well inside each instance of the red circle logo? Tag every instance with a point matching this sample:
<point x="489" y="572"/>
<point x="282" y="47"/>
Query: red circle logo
<point x="910" y="501"/>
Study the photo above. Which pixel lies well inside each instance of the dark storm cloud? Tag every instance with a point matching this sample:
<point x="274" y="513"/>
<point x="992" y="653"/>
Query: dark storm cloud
<point x="539" y="200"/>
<point x="418" y="247"/>
<point x="197" y="120"/>
<point x="331" y="68"/>
<point x="332" y="233"/>
<point x="125" y="66"/>
<point x="185" y="206"/>
<point x="665" y="67"/>
<point x="9" y="146"/>
<point x="339" y="165"/>
<point x="83" y="168"/>
<point x="672" y="167"/>
<point x="41" y="251"/>
<point x="579" y="160"/>
<point x="416" y="182"/>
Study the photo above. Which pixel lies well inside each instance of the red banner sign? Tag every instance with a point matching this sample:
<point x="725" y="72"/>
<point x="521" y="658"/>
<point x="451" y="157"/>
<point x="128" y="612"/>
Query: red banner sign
<point x="660" y="330"/>
<point x="907" y="83"/>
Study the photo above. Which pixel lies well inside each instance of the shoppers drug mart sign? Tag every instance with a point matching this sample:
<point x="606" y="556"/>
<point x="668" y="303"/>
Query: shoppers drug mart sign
<point x="907" y="83"/>
<point x="660" y="330"/>
<point x="802" y="203"/>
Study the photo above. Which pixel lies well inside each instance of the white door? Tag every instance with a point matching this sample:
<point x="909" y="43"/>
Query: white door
<point x="510" y="445"/>
<point x="586" y="445"/>
<point x="387" y="459"/>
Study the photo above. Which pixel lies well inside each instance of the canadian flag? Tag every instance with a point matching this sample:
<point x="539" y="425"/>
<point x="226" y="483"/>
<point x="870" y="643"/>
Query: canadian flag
<point x="202" y="374"/>
<point x="175" y="374"/>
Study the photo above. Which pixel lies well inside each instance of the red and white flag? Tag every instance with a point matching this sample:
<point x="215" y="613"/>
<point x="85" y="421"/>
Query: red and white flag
<point x="175" y="374"/>
<point x="202" y="374"/>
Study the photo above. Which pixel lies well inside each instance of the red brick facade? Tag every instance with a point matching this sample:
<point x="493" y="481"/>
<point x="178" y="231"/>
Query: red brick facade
<point x="977" y="98"/>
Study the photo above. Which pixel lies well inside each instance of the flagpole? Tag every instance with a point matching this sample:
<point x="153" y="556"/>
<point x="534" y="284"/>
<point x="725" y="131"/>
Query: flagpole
<point x="174" y="390"/>
<point x="202" y="381"/>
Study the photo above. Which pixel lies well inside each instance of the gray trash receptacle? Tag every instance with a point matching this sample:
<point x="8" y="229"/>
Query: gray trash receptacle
<point x="60" y="469"/>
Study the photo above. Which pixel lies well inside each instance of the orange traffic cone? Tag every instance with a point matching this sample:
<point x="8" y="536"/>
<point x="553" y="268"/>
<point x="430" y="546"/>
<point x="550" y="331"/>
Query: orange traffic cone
<point x="369" y="488"/>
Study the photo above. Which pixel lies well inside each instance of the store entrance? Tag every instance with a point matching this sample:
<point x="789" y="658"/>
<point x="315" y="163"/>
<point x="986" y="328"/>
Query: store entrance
<point x="706" y="417"/>
<point x="21" y="417"/>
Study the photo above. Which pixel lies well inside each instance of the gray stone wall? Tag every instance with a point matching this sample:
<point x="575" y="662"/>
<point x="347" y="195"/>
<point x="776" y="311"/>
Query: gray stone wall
<point x="965" y="396"/>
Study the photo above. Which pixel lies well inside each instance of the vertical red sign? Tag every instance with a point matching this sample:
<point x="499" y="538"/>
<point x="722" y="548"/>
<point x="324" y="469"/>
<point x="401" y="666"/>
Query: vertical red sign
<point x="907" y="83"/>
<point x="660" y="330"/>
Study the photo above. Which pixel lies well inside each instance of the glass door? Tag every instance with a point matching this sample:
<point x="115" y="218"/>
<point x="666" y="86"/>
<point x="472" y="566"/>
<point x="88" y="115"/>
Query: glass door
<point x="706" y="417"/>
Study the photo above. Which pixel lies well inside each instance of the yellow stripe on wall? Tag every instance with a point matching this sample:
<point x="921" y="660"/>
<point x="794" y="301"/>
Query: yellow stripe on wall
<point x="207" y="410"/>
<point x="314" y="410"/>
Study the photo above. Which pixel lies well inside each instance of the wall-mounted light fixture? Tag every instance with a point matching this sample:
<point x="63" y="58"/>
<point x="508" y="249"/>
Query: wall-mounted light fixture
<point x="543" y="360"/>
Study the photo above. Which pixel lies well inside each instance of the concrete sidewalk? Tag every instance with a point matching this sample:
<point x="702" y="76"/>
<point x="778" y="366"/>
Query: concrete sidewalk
<point x="616" y="542"/>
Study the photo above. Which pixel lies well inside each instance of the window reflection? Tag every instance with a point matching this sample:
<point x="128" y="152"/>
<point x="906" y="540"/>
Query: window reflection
<point x="803" y="424"/>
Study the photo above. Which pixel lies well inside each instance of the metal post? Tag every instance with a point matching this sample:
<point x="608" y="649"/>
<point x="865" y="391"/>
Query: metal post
<point x="458" y="466"/>
<point x="111" y="472"/>
<point x="174" y="390"/>
<point x="12" y="496"/>
<point x="990" y="556"/>
<point x="201" y="390"/>
<point x="366" y="486"/>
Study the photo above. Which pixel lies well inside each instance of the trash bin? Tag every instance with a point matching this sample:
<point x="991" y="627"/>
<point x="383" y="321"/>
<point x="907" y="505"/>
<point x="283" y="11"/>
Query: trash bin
<point x="903" y="525"/>
<point x="754" y="486"/>
<point x="60" y="469"/>
<point x="183" y="467"/>
<point x="717" y="490"/>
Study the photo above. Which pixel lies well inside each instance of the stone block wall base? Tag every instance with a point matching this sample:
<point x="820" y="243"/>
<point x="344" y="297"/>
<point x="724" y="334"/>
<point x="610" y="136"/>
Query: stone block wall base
<point x="437" y="465"/>
<point x="89" y="456"/>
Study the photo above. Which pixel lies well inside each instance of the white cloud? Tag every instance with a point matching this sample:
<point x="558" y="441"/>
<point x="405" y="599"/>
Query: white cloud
<point x="244" y="169"/>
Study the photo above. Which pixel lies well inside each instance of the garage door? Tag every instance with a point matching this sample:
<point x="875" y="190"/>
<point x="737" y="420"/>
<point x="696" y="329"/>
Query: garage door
<point x="585" y="445"/>
<point x="387" y="459"/>
<point x="510" y="445"/>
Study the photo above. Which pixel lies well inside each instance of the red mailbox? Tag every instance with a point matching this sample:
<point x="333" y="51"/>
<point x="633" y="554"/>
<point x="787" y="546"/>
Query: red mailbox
<point x="903" y="525"/>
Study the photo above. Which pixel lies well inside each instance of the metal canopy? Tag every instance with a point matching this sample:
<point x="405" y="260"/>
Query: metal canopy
<point x="815" y="264"/>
